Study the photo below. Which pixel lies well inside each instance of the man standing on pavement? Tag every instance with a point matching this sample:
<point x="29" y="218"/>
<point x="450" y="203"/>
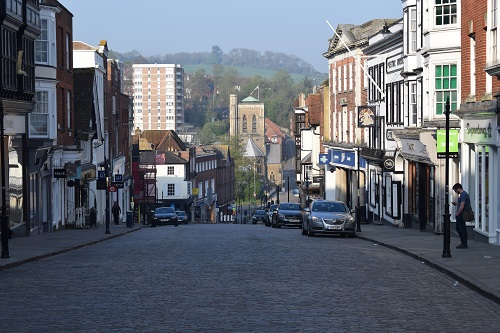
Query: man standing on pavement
<point x="116" y="210"/>
<point x="463" y="199"/>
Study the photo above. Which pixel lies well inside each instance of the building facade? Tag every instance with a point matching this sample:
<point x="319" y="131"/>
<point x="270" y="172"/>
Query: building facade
<point x="19" y="27"/>
<point x="158" y="96"/>
<point x="479" y="112"/>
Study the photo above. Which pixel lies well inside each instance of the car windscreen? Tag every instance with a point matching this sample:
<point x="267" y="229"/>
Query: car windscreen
<point x="260" y="212"/>
<point x="334" y="207"/>
<point x="180" y="213"/>
<point x="290" y="207"/>
<point x="164" y="210"/>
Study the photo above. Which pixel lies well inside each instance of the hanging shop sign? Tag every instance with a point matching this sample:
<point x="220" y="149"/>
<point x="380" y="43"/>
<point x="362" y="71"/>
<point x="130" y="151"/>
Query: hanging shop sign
<point x="366" y="116"/>
<point x="441" y="143"/>
<point x="59" y="173"/>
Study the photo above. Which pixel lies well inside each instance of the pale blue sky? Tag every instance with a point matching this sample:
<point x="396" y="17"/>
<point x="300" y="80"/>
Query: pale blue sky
<point x="294" y="27"/>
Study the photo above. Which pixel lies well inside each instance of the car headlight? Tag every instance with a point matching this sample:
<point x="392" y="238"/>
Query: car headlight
<point x="316" y="219"/>
<point x="281" y="216"/>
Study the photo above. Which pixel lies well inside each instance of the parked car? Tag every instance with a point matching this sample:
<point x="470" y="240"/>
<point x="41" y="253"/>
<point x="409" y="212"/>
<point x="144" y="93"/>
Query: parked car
<point x="270" y="211"/>
<point x="259" y="216"/>
<point x="288" y="214"/>
<point x="164" y="215"/>
<point x="328" y="217"/>
<point x="181" y="216"/>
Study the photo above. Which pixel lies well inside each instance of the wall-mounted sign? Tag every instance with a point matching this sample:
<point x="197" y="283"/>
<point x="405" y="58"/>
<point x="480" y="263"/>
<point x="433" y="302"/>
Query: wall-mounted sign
<point x="14" y="124"/>
<point x="480" y="131"/>
<point x="389" y="164"/>
<point x="346" y="158"/>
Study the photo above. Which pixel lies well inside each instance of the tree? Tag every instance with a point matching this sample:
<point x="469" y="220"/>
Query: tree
<point x="216" y="55"/>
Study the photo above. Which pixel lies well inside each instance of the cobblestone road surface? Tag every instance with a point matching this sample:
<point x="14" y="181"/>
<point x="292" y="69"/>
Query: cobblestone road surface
<point x="236" y="278"/>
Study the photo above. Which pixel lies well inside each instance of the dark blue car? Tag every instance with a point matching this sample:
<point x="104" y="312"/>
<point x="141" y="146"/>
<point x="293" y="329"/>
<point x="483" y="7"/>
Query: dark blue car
<point x="164" y="216"/>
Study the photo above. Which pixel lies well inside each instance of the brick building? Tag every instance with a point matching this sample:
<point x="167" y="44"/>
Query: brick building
<point x="480" y="114"/>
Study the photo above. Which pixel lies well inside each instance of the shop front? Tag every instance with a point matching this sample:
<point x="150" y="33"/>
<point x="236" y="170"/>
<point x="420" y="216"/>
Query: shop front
<point x="350" y="171"/>
<point x="480" y="167"/>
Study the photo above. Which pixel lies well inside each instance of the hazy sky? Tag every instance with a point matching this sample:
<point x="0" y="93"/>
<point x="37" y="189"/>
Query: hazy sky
<point x="157" y="27"/>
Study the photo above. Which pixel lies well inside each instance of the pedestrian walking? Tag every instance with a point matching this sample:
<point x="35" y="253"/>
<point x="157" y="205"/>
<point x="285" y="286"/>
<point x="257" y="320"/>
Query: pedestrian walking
<point x="116" y="210"/>
<point x="462" y="204"/>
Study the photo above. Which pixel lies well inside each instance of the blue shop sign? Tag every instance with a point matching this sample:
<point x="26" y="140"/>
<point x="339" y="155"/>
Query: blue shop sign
<point x="346" y="158"/>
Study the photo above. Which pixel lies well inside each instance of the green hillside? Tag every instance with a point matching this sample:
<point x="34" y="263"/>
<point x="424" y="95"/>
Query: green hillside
<point x="251" y="72"/>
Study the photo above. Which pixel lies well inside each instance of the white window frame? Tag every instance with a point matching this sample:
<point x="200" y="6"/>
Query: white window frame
<point x="413" y="104"/>
<point x="68" y="108"/>
<point x="472" y="70"/>
<point x="452" y="17"/>
<point x="68" y="66"/>
<point x="413" y="30"/>
<point x="42" y="43"/>
<point x="39" y="126"/>
<point x="351" y="74"/>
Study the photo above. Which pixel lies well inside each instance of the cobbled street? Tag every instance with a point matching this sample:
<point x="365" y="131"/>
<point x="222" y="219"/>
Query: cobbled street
<point x="237" y="278"/>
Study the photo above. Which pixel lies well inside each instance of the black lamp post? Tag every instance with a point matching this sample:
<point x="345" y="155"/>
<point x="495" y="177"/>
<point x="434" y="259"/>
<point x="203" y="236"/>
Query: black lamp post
<point x="307" y="189"/>
<point x="358" y="219"/>
<point x="106" y="170"/>
<point x="4" y="220"/>
<point x="288" y="187"/>
<point x="446" y="215"/>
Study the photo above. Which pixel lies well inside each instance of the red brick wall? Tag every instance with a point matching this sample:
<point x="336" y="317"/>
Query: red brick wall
<point x="346" y="95"/>
<point x="315" y="108"/>
<point x="474" y="10"/>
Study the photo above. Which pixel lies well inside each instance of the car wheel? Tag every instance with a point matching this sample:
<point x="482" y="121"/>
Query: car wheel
<point x="351" y="235"/>
<point x="278" y="225"/>
<point x="310" y="233"/>
<point x="304" y="231"/>
<point x="176" y="225"/>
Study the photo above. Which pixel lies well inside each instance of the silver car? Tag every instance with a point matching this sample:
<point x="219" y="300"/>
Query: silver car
<point x="328" y="217"/>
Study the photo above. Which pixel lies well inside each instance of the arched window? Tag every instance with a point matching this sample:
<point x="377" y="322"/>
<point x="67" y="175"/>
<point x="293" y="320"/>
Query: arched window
<point x="244" y="123"/>
<point x="254" y="124"/>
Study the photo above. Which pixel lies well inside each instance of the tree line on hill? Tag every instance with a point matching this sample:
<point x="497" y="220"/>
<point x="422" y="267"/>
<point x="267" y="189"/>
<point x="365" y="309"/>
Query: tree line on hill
<point x="238" y="57"/>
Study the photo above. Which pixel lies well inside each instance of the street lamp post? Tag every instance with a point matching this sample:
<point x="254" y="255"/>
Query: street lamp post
<point x="288" y="187"/>
<point x="446" y="215"/>
<point x="307" y="189"/>
<point x="4" y="220"/>
<point x="106" y="170"/>
<point x="358" y="219"/>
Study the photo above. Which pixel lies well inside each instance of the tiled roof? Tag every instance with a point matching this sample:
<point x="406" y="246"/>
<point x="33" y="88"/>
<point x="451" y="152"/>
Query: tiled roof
<point x="252" y="150"/>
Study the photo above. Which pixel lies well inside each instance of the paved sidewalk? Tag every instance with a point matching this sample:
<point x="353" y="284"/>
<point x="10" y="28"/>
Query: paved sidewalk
<point x="27" y="249"/>
<point x="477" y="267"/>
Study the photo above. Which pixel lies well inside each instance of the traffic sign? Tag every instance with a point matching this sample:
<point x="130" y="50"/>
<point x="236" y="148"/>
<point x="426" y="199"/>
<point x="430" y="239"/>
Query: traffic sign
<point x="118" y="178"/>
<point x="112" y="188"/>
